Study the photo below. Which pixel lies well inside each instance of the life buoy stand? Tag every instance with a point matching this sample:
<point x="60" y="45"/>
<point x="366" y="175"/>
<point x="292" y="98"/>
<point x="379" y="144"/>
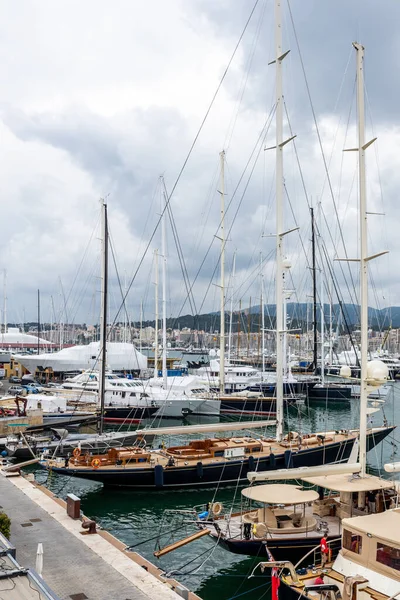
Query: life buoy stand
<point x="96" y="463"/>
<point x="216" y="508"/>
<point x="76" y="452"/>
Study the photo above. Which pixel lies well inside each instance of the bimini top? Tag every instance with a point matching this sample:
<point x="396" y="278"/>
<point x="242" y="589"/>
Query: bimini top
<point x="384" y="526"/>
<point x="279" y="494"/>
<point x="350" y="483"/>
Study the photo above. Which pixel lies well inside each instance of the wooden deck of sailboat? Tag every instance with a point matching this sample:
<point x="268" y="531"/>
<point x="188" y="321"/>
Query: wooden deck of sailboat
<point x="208" y="451"/>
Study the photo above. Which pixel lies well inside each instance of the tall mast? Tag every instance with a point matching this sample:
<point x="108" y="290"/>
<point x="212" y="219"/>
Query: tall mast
<point x="141" y="326"/>
<point x="103" y="311"/>
<point x="314" y="295"/>
<point x="239" y="327"/>
<point x="222" y="309"/>
<point x="330" y="323"/>
<point x="248" y="328"/>
<point x="322" y="300"/>
<point x="231" y="315"/>
<point x="156" y="314"/>
<point x="262" y="316"/>
<point x="363" y="256"/>
<point x="164" y="292"/>
<point x="280" y="326"/>
<point x="38" y="312"/>
<point x="5" y="301"/>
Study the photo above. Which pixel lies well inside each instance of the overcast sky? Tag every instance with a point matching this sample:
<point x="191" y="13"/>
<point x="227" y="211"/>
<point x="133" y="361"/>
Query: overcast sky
<point x="99" y="99"/>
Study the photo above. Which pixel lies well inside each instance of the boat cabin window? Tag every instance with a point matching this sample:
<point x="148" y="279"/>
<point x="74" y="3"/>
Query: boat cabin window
<point x="352" y="542"/>
<point x="387" y="555"/>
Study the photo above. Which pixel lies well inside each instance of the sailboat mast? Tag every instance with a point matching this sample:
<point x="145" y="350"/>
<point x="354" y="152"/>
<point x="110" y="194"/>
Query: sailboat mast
<point x="141" y="327"/>
<point x="322" y="300"/>
<point x="262" y="316"/>
<point x="314" y="281"/>
<point x="5" y="301"/>
<point x="38" y="312"/>
<point x="164" y="293"/>
<point x="103" y="311"/>
<point x="222" y="309"/>
<point x="363" y="256"/>
<point x="156" y="314"/>
<point x="279" y="222"/>
<point x="231" y="314"/>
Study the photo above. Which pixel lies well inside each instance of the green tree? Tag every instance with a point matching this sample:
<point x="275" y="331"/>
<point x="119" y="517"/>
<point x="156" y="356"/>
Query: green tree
<point x="5" y="525"/>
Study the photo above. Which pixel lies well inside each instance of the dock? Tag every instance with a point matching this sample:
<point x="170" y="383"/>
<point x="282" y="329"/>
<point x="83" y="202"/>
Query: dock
<point x="78" y="566"/>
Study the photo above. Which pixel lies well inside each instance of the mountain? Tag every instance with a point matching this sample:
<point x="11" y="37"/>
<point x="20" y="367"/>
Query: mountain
<point x="347" y="315"/>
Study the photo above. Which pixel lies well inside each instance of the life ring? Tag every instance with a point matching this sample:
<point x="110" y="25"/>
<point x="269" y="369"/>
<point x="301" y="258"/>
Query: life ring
<point x="216" y="508"/>
<point x="96" y="462"/>
<point x="76" y="452"/>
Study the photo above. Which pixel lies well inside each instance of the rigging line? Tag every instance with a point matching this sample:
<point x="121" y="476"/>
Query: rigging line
<point x="80" y="264"/>
<point x="232" y="125"/>
<point x="168" y="200"/>
<point x="261" y="137"/>
<point x="319" y="136"/>
<point x="335" y="109"/>
<point x="266" y="128"/>
<point x="251" y="278"/>
<point x="120" y="286"/>
<point x="345" y="136"/>
<point x="182" y="262"/>
<point x="308" y="202"/>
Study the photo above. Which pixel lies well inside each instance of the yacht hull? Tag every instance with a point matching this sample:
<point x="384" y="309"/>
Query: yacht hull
<point x="292" y="549"/>
<point x="202" y="475"/>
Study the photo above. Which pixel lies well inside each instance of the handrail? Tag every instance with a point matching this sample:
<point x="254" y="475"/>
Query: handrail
<point x="313" y="550"/>
<point x="282" y="564"/>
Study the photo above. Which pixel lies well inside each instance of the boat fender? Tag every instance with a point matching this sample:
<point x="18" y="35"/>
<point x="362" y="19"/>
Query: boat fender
<point x="252" y="463"/>
<point x="272" y="461"/>
<point x="203" y="516"/>
<point x="96" y="463"/>
<point x="76" y="452"/>
<point x="288" y="459"/>
<point x="200" y="469"/>
<point x="216" y="508"/>
<point x="159" y="476"/>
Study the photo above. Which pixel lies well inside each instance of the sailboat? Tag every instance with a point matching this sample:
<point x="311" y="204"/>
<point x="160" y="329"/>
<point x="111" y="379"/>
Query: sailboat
<point x="368" y="564"/>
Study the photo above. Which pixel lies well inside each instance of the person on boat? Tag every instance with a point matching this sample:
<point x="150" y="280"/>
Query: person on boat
<point x="320" y="579"/>
<point x="324" y="551"/>
<point x="371" y="501"/>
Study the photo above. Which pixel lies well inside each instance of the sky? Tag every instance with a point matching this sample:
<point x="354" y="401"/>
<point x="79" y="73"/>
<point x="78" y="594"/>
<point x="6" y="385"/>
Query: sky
<point x="100" y="99"/>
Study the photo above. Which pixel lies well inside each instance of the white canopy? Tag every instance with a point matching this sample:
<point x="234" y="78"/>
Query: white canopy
<point x="350" y="483"/>
<point x="279" y="494"/>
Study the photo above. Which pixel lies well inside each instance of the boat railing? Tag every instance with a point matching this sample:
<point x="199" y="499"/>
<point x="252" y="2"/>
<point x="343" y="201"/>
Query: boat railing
<point x="277" y="564"/>
<point x="315" y="553"/>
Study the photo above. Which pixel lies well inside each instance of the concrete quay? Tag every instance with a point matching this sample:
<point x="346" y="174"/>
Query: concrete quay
<point x="76" y="566"/>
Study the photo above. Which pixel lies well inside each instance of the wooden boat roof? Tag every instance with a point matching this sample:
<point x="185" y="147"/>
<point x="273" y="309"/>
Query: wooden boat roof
<point x="279" y="494"/>
<point x="385" y="526"/>
<point x="349" y="483"/>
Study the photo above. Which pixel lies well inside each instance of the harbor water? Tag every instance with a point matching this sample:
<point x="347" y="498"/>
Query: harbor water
<point x="215" y="574"/>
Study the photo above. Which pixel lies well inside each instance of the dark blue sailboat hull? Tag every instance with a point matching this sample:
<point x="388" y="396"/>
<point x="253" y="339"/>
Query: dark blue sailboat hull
<point x="229" y="472"/>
